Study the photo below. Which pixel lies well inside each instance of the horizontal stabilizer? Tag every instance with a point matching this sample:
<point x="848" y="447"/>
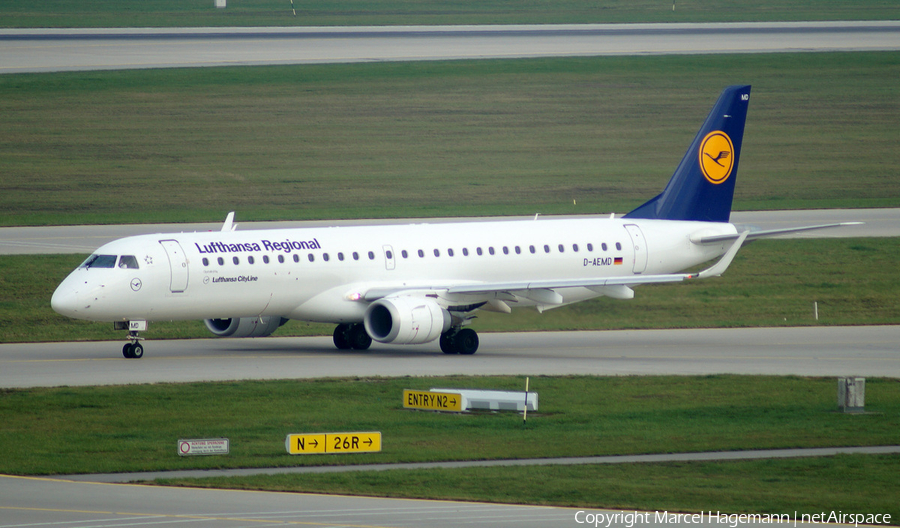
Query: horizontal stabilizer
<point x="715" y="239"/>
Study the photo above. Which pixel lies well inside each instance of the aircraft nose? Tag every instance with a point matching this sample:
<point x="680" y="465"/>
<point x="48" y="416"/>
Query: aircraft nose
<point x="65" y="300"/>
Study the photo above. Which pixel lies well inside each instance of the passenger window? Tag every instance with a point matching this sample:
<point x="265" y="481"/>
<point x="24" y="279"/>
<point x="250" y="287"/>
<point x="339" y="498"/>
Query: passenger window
<point x="265" y="259"/>
<point x="562" y="248"/>
<point x="437" y="252"/>
<point x="575" y="248"/>
<point x="478" y="250"/>
<point x="371" y="256"/>
<point x="311" y="257"/>
<point x="221" y="261"/>
<point x="355" y="255"/>
<point x="618" y="246"/>
<point x="491" y="250"/>
<point x="296" y="258"/>
<point x="421" y="253"/>
<point x="341" y="256"/>
<point x="325" y="257"/>
<point x="465" y="252"/>
<point x="205" y="261"/>
<point x="252" y="260"/>
<point x="128" y="262"/>
<point x="280" y="259"/>
<point x="590" y="246"/>
<point x="100" y="261"/>
<point x="518" y="250"/>
<point x="531" y="248"/>
<point x="603" y="246"/>
<point x="505" y="250"/>
<point x="235" y="260"/>
<point x="450" y="251"/>
<point x="546" y="248"/>
<point x="404" y="254"/>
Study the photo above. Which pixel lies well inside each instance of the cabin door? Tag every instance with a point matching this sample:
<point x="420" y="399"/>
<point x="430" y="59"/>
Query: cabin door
<point x="639" y="244"/>
<point x="177" y="264"/>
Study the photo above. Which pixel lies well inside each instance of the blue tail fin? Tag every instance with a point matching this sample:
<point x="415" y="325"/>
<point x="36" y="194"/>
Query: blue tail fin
<point x="702" y="187"/>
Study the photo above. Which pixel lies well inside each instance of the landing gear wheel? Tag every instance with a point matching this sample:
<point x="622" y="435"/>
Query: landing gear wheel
<point x="465" y="341"/>
<point x="359" y="339"/>
<point x="133" y="351"/>
<point x="341" y="337"/>
<point x="447" y="343"/>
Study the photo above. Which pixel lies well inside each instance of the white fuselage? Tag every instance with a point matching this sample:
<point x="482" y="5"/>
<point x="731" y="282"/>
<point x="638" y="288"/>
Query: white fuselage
<point x="323" y="274"/>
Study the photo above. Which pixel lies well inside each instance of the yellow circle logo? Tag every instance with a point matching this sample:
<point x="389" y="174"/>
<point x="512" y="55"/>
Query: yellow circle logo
<point x="716" y="157"/>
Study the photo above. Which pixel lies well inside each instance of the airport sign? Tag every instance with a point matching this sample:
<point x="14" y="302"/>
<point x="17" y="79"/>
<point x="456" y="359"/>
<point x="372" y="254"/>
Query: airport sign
<point x="204" y="446"/>
<point x="331" y="443"/>
<point x="433" y="401"/>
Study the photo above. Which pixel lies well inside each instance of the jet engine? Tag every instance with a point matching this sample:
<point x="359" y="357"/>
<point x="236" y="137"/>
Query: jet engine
<point x="245" y="326"/>
<point x="406" y="320"/>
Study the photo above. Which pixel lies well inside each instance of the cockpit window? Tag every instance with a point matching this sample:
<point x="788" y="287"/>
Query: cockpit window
<point x="128" y="262"/>
<point x="100" y="261"/>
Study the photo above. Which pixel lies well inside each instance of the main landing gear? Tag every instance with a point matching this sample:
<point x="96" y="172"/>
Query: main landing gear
<point x="456" y="341"/>
<point x="347" y="336"/>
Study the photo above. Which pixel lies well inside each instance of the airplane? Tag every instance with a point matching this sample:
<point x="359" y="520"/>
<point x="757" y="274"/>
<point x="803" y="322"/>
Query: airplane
<point x="419" y="283"/>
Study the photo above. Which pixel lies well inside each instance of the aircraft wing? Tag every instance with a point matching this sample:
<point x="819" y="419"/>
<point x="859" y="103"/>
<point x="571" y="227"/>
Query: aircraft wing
<point x="611" y="286"/>
<point x="769" y="233"/>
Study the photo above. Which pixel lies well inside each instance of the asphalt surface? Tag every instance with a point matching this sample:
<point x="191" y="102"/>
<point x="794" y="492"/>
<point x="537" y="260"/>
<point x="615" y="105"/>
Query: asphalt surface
<point x="45" y="50"/>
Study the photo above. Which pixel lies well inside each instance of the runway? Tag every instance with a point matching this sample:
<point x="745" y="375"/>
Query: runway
<point x="45" y="50"/>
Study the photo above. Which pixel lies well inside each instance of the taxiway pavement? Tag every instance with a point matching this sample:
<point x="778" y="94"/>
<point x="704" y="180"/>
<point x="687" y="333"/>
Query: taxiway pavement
<point x="803" y="351"/>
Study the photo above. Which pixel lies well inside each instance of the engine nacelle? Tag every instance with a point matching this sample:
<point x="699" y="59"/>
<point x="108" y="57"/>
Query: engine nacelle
<point x="245" y="326"/>
<point x="406" y="320"/>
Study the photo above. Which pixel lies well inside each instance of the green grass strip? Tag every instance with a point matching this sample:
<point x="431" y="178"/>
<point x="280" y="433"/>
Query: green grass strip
<point x="808" y="486"/>
<point x="193" y="13"/>
<point x="135" y="428"/>
<point x="567" y="136"/>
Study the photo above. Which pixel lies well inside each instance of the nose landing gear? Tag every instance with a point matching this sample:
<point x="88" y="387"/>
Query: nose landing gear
<point x="133" y="349"/>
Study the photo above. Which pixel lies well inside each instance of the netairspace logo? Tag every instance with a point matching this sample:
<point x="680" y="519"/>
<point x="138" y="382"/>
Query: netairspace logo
<point x="732" y="520"/>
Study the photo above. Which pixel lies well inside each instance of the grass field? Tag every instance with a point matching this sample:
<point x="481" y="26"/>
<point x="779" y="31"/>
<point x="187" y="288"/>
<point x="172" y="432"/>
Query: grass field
<point x="589" y="135"/>
<point x="144" y="13"/>
<point x="135" y="428"/>
<point x="848" y="483"/>
<point x="770" y="283"/>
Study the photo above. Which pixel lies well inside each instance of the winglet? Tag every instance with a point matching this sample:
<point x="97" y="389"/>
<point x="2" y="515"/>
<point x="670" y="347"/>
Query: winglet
<point x="229" y="223"/>
<point x="719" y="267"/>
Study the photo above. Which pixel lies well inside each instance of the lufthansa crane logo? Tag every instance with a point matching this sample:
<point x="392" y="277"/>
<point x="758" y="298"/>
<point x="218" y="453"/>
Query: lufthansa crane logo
<point x="716" y="157"/>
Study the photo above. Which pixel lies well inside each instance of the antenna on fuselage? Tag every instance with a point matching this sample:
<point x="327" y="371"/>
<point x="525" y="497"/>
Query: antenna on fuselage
<point x="229" y="224"/>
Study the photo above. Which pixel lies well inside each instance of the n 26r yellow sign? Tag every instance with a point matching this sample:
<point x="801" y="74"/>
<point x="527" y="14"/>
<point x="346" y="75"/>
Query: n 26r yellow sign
<point x="329" y="443"/>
